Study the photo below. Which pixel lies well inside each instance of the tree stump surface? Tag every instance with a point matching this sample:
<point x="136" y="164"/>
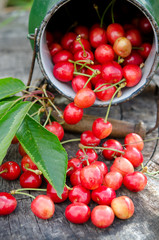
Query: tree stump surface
<point x="22" y="224"/>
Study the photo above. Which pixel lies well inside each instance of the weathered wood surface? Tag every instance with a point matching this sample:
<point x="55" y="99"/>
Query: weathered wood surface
<point x="15" y="59"/>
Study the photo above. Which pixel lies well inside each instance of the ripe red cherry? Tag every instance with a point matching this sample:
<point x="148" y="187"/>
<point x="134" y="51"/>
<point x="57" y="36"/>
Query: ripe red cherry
<point x="63" y="71"/>
<point x="79" y="45"/>
<point x="21" y="150"/>
<point x="82" y="31"/>
<point x="88" y="154"/>
<point x="123" y="207"/>
<point x="111" y="72"/>
<point x="122" y="165"/>
<point x="8" y="203"/>
<point x="145" y="49"/>
<point x="122" y="47"/>
<point x="103" y="195"/>
<point x="77" y="213"/>
<point x="51" y="192"/>
<point x="84" y="98"/>
<point x="55" y="48"/>
<point x="134" y="36"/>
<point x="107" y="90"/>
<point x="83" y="55"/>
<point x="104" y="53"/>
<point x="30" y="179"/>
<point x="97" y="67"/>
<point x="102" y="166"/>
<point x="97" y="36"/>
<point x="61" y="56"/>
<point x="67" y="40"/>
<point x="133" y="74"/>
<point x="145" y="25"/>
<point x="43" y="207"/>
<point x="79" y="194"/>
<point x="79" y="81"/>
<point x="72" y="114"/>
<point x="75" y="178"/>
<point x="26" y="162"/>
<point x="112" y="144"/>
<point x="56" y="128"/>
<point x="134" y="156"/>
<point x="88" y="139"/>
<point x="113" y="180"/>
<point x="91" y="177"/>
<point x="73" y="165"/>
<point x="102" y="216"/>
<point x="134" y="140"/>
<point x="133" y="58"/>
<point x="135" y="182"/>
<point x="114" y="31"/>
<point x="10" y="170"/>
<point x="101" y="129"/>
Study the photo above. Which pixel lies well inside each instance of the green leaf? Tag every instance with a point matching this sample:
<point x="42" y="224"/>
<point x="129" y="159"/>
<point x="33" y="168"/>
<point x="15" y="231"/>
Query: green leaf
<point x="10" y="86"/>
<point x="5" y="105"/>
<point x="33" y="112"/>
<point x="45" y="150"/>
<point x="9" y="125"/>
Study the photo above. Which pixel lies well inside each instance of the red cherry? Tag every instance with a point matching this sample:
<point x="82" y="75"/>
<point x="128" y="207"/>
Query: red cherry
<point x="101" y="129"/>
<point x="88" y="154"/>
<point x="26" y="162"/>
<point x="55" y="48"/>
<point x="79" y="194"/>
<point x="145" y="25"/>
<point x="114" y="31"/>
<point x="145" y="49"/>
<point x="112" y="144"/>
<point x="8" y="203"/>
<point x="49" y="38"/>
<point x="72" y="114"/>
<point x="79" y="81"/>
<point x="104" y="53"/>
<point x="43" y="207"/>
<point x="10" y="170"/>
<point x="97" y="67"/>
<point x="77" y="213"/>
<point x="91" y="177"/>
<point x="102" y="166"/>
<point x="123" y="207"/>
<point x="122" y="47"/>
<point x="102" y="216"/>
<point x="103" y="195"/>
<point x="105" y="94"/>
<point x="122" y="165"/>
<point x="133" y="58"/>
<point x="134" y="140"/>
<point x="111" y="72"/>
<point x="88" y="139"/>
<point x="135" y="182"/>
<point x="75" y="178"/>
<point x="132" y="73"/>
<point x="67" y="40"/>
<point x="21" y="150"/>
<point x="61" y="56"/>
<point x="30" y="179"/>
<point x="73" y="165"/>
<point x="83" y="55"/>
<point x="56" y="128"/>
<point x="134" y="36"/>
<point x="113" y="180"/>
<point x="97" y="36"/>
<point x="51" y="192"/>
<point x="84" y="98"/>
<point x="82" y="31"/>
<point x="134" y="156"/>
<point x="15" y="140"/>
<point x="76" y="45"/>
<point x="63" y="71"/>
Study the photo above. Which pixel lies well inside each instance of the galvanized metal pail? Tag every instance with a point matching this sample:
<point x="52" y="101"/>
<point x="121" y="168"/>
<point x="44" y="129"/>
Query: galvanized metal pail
<point x="61" y="14"/>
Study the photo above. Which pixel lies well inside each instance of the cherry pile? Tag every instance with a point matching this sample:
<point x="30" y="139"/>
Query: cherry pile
<point x="100" y="58"/>
<point x="88" y="180"/>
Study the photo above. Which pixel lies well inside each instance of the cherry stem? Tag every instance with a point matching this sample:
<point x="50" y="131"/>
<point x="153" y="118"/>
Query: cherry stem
<point x="37" y="172"/>
<point x="48" y="117"/>
<point x="78" y="38"/>
<point x="112" y="11"/>
<point x="22" y="193"/>
<point x="108" y="110"/>
<point x="101" y="148"/>
<point x="82" y="74"/>
<point x="69" y="188"/>
<point x="86" y="157"/>
<point x="151" y="174"/>
<point x="111" y="85"/>
<point x="106" y="9"/>
<point x="30" y="189"/>
<point x="4" y="171"/>
<point x="89" y="79"/>
<point x="71" y="140"/>
<point x="97" y="11"/>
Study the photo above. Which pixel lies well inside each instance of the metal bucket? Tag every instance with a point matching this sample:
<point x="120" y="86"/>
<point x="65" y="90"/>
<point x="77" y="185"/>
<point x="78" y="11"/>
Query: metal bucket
<point x="54" y="15"/>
